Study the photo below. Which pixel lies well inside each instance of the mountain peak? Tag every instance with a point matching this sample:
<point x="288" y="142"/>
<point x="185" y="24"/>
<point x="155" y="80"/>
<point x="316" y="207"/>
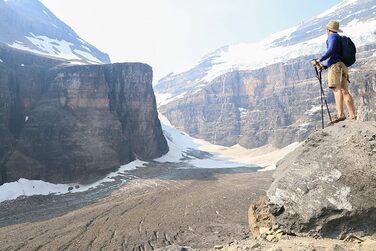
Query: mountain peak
<point x="30" y="26"/>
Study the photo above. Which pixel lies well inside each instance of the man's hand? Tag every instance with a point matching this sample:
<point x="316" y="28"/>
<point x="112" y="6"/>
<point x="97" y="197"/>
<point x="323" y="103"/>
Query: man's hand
<point x="317" y="64"/>
<point x="314" y="62"/>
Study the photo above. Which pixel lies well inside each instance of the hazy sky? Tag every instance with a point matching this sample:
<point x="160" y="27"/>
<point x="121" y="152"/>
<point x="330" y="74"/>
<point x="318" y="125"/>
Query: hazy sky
<point x="173" y="35"/>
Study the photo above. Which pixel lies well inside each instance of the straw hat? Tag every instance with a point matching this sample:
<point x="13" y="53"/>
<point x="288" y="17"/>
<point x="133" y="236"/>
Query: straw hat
<point x="333" y="26"/>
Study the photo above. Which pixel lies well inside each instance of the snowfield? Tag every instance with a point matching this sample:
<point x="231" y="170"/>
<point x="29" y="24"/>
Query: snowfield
<point x="56" y="48"/>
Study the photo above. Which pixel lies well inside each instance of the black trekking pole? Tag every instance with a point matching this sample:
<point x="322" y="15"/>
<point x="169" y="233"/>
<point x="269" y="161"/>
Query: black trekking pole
<point x="323" y="98"/>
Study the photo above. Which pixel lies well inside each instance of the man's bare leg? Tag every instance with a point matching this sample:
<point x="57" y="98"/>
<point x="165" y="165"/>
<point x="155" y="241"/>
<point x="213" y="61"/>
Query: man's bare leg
<point x="349" y="103"/>
<point x="338" y="96"/>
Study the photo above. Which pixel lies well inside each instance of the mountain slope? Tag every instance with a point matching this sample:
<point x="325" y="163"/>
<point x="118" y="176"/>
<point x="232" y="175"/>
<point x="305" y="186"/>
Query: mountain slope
<point x="265" y="92"/>
<point x="29" y="25"/>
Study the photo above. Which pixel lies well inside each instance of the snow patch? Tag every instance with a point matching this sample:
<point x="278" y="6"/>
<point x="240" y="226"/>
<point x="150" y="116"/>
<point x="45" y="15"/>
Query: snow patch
<point x="24" y="187"/>
<point x="178" y="142"/>
<point x="54" y="47"/>
<point x="129" y="167"/>
<point x="163" y="98"/>
<point x="88" y="56"/>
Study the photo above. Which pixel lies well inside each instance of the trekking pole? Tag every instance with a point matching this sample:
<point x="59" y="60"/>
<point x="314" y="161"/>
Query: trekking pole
<point x="323" y="98"/>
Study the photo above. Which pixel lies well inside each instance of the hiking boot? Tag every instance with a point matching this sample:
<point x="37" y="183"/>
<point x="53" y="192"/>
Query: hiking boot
<point x="337" y="119"/>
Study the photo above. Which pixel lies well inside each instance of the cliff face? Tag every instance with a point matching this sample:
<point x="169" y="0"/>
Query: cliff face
<point x="74" y="123"/>
<point x="278" y="104"/>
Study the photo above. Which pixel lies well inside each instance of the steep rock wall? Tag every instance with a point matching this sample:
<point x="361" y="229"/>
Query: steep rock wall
<point x="74" y="123"/>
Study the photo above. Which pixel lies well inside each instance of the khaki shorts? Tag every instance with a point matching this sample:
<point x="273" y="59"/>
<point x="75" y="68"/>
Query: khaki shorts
<point x="338" y="75"/>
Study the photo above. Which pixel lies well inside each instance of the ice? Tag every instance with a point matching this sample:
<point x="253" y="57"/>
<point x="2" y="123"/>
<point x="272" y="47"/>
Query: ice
<point x="1" y="61"/>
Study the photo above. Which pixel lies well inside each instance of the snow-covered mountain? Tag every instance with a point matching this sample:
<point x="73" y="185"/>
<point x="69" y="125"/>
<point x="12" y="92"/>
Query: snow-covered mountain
<point x="261" y="93"/>
<point x="28" y="25"/>
<point x="357" y="18"/>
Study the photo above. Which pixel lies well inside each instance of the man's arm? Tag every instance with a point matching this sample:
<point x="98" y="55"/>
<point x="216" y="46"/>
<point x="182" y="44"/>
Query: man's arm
<point x="332" y="43"/>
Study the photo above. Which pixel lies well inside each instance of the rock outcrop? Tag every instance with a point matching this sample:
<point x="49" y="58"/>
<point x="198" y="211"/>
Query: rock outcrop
<point x="62" y="123"/>
<point x="326" y="187"/>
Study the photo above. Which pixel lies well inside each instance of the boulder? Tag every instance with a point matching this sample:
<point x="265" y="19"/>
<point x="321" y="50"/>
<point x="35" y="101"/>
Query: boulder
<point x="326" y="187"/>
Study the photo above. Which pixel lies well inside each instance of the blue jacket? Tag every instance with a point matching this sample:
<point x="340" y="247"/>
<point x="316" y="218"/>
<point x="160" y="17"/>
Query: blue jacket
<point x="333" y="54"/>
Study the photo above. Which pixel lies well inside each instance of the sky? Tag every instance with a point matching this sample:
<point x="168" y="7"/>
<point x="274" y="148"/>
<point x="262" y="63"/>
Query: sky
<point x="173" y="35"/>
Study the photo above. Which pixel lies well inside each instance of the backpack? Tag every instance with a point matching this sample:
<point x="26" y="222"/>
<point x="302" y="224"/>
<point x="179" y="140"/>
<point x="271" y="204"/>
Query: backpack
<point x="348" y="56"/>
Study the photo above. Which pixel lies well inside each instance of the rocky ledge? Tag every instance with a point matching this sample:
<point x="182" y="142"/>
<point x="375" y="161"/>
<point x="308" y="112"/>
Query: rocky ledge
<point x="325" y="188"/>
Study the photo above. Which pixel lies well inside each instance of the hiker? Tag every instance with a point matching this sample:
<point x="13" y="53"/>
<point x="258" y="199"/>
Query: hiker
<point x="338" y="73"/>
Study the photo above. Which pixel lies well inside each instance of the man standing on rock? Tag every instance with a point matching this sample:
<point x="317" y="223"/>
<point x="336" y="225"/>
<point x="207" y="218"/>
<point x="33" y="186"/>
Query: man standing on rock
<point x="338" y="73"/>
